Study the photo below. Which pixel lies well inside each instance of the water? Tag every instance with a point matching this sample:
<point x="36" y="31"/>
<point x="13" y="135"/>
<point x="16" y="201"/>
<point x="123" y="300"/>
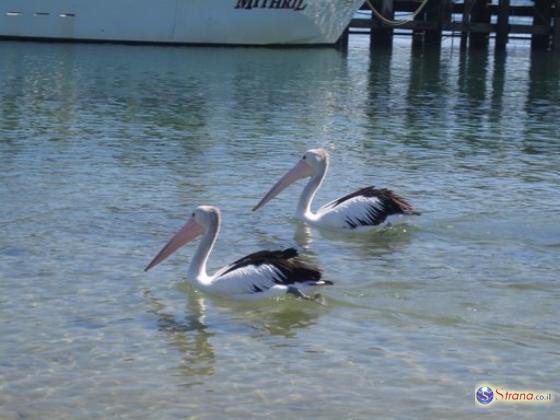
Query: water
<point x="105" y="150"/>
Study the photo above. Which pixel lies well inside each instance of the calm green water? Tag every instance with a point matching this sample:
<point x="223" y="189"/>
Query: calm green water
<point x="105" y="150"/>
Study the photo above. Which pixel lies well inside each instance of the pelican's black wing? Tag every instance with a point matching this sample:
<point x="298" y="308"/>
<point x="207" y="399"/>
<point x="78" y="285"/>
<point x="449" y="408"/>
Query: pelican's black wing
<point x="368" y="206"/>
<point x="290" y="268"/>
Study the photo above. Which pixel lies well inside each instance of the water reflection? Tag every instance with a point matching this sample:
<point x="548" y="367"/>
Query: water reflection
<point x="282" y="316"/>
<point x="498" y="85"/>
<point x="471" y="89"/>
<point x="424" y="95"/>
<point x="379" y="82"/>
<point x="303" y="235"/>
<point x="190" y="336"/>
<point x="541" y="130"/>
<point x="473" y="68"/>
<point x="543" y="94"/>
<point x="424" y="87"/>
<point x="384" y="240"/>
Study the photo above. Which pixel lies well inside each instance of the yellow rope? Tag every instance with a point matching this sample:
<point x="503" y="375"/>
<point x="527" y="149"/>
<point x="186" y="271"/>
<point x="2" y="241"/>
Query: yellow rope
<point x="396" y="22"/>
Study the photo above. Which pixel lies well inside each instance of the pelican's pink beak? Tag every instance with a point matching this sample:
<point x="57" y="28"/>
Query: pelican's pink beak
<point x="188" y="232"/>
<point x="301" y="170"/>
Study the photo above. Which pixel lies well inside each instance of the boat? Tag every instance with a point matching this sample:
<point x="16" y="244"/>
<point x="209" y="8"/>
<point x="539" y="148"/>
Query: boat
<point x="196" y="22"/>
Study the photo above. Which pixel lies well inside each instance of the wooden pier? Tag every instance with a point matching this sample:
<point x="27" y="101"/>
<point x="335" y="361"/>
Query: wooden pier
<point x="474" y="21"/>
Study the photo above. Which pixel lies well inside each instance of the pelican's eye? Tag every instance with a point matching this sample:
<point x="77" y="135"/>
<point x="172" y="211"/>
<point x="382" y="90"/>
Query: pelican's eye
<point x="304" y="157"/>
<point x="192" y="214"/>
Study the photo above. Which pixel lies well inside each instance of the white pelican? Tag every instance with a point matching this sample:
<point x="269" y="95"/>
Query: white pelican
<point x="361" y="210"/>
<point x="263" y="274"/>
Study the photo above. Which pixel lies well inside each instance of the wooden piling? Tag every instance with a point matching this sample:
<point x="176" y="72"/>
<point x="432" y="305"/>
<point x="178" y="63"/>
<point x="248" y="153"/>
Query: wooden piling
<point x="476" y="26"/>
<point x="382" y="35"/>
<point x="418" y="34"/>
<point x="434" y="14"/>
<point x="342" y="43"/>
<point x="467" y="7"/>
<point x="480" y="14"/>
<point x="502" y="27"/>
<point x="556" y="27"/>
<point x="543" y="9"/>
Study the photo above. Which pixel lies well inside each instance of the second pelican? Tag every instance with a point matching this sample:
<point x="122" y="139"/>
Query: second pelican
<point x="361" y="210"/>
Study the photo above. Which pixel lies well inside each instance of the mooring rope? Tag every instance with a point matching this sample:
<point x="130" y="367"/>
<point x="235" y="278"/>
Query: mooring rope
<point x="391" y="22"/>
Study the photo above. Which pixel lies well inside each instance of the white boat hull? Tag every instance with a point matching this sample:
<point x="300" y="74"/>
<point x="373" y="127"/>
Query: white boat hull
<point x="210" y="22"/>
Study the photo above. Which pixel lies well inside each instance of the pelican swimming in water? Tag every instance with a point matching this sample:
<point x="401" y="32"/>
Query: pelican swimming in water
<point x="260" y="275"/>
<point x="359" y="211"/>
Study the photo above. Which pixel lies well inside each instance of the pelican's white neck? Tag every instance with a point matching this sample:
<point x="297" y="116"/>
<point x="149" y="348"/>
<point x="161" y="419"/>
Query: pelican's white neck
<point x="197" y="268"/>
<point x="303" y="210"/>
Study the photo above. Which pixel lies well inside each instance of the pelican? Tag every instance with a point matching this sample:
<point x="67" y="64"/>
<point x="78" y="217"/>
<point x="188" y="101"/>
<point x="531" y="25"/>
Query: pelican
<point x="359" y="211"/>
<point x="264" y="274"/>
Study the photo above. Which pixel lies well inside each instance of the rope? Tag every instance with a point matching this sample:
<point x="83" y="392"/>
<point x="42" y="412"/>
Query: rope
<point x="391" y="22"/>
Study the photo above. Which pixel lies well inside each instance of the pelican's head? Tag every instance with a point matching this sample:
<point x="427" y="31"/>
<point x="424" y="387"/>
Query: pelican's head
<point x="316" y="158"/>
<point x="201" y="219"/>
<point x="206" y="216"/>
<point x="313" y="161"/>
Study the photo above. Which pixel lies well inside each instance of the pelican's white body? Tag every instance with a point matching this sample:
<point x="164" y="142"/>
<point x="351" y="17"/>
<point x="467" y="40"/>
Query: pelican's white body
<point x="238" y="284"/>
<point x="222" y="22"/>
<point x="334" y="217"/>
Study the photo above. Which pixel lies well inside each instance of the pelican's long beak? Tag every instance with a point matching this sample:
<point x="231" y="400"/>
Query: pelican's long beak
<point x="188" y="232"/>
<point x="301" y="170"/>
